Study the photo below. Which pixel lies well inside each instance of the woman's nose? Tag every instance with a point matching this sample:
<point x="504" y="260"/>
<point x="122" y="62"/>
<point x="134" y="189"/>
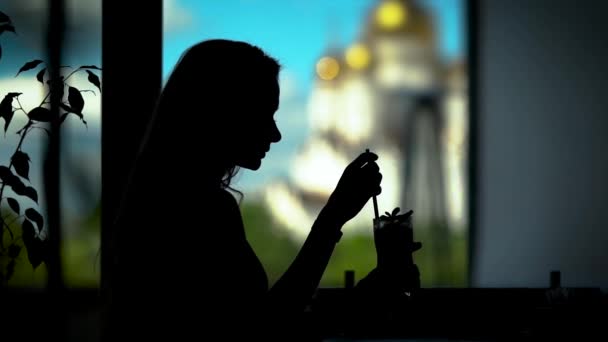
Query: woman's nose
<point x="275" y="134"/>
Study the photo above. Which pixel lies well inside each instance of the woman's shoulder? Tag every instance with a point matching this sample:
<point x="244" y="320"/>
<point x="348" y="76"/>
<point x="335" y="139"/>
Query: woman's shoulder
<point x="226" y="198"/>
<point x="222" y="210"/>
<point x="223" y="201"/>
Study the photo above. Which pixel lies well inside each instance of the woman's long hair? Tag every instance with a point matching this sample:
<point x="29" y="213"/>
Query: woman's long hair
<point x="206" y="80"/>
<point x="194" y="119"/>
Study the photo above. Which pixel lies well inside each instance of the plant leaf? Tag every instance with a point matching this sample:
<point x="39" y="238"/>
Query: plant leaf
<point x="21" y="162"/>
<point x="4" y="172"/>
<point x="34" y="246"/>
<point x="7" y="27"/>
<point x="90" y="67"/>
<point x="395" y="211"/>
<point x="6" y="105"/>
<point x="13" y="251"/>
<point x="7" y="176"/>
<point x="6" y="109"/>
<point x="75" y="99"/>
<point x="17" y="186"/>
<point x="94" y="79"/>
<point x="4" y="18"/>
<point x="31" y="193"/>
<point x="14" y="205"/>
<point x="35" y="216"/>
<point x="7" y="113"/>
<point x="40" y="114"/>
<point x="29" y="66"/>
<point x="7" y="120"/>
<point x="40" y="75"/>
<point x="29" y="231"/>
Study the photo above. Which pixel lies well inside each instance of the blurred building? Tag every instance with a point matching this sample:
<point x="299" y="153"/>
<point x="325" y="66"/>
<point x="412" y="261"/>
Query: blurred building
<point x="389" y="91"/>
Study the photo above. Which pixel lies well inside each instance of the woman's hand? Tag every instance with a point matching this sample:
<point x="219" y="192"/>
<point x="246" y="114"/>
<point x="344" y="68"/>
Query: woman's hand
<point x="360" y="181"/>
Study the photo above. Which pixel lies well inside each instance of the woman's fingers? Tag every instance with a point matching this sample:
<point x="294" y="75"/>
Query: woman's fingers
<point x="363" y="159"/>
<point x="371" y="166"/>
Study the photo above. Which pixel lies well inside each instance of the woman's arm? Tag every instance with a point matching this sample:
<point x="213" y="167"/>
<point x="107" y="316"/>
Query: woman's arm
<point x="293" y="291"/>
<point x="360" y="180"/>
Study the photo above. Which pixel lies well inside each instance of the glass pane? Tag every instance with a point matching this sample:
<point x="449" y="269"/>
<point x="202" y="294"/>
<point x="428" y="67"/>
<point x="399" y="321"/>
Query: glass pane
<point x="81" y="144"/>
<point x="388" y="75"/>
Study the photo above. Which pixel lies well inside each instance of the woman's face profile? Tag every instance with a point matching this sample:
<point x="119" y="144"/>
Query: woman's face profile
<point x="256" y="126"/>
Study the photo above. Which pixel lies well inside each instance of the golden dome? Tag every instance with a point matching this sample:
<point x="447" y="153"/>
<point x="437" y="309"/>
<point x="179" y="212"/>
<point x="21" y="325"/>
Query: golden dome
<point x="400" y="17"/>
<point x="391" y="14"/>
<point x="358" y="56"/>
<point x="330" y="65"/>
<point x="328" y="68"/>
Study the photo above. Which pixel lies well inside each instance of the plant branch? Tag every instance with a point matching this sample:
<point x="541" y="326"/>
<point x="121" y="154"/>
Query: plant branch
<point x="18" y="238"/>
<point x="24" y="112"/>
<point x="70" y="74"/>
<point x="44" y="99"/>
<point x="23" y="134"/>
<point x="21" y="106"/>
<point x="15" y="219"/>
<point x="9" y="230"/>
<point x="7" y="225"/>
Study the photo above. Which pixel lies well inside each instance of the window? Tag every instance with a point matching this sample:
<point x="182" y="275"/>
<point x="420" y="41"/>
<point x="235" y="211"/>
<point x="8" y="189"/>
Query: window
<point x="388" y="75"/>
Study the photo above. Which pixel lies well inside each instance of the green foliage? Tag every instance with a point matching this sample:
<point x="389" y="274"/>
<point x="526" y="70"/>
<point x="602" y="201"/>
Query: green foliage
<point x="271" y="242"/>
<point x="355" y="251"/>
<point x="79" y="252"/>
<point x="15" y="265"/>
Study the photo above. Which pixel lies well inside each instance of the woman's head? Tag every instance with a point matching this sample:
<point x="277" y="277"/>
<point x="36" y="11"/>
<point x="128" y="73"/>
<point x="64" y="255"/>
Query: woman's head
<point x="222" y="96"/>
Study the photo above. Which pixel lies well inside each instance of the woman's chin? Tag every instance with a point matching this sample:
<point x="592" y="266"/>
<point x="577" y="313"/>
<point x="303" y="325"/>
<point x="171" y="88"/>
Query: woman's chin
<point x="251" y="164"/>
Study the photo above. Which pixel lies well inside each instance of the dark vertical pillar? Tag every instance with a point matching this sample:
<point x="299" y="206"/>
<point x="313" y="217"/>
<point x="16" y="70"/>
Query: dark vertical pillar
<point x="132" y="79"/>
<point x="51" y="161"/>
<point x="472" y="34"/>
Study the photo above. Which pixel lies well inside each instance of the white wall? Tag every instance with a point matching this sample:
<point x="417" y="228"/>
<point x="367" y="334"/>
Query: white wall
<point x="543" y="135"/>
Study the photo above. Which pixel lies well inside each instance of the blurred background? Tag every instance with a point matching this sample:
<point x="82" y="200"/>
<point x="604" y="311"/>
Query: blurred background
<point x="390" y="76"/>
<point x="386" y="75"/>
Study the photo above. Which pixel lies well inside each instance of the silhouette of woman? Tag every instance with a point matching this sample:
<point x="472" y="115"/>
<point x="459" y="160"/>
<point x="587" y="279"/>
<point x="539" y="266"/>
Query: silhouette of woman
<point x="183" y="264"/>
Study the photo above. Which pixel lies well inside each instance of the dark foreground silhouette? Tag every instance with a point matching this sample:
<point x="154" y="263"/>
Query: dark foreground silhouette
<point x="183" y="265"/>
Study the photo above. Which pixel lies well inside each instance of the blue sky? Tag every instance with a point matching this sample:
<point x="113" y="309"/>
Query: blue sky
<point x="296" y="32"/>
